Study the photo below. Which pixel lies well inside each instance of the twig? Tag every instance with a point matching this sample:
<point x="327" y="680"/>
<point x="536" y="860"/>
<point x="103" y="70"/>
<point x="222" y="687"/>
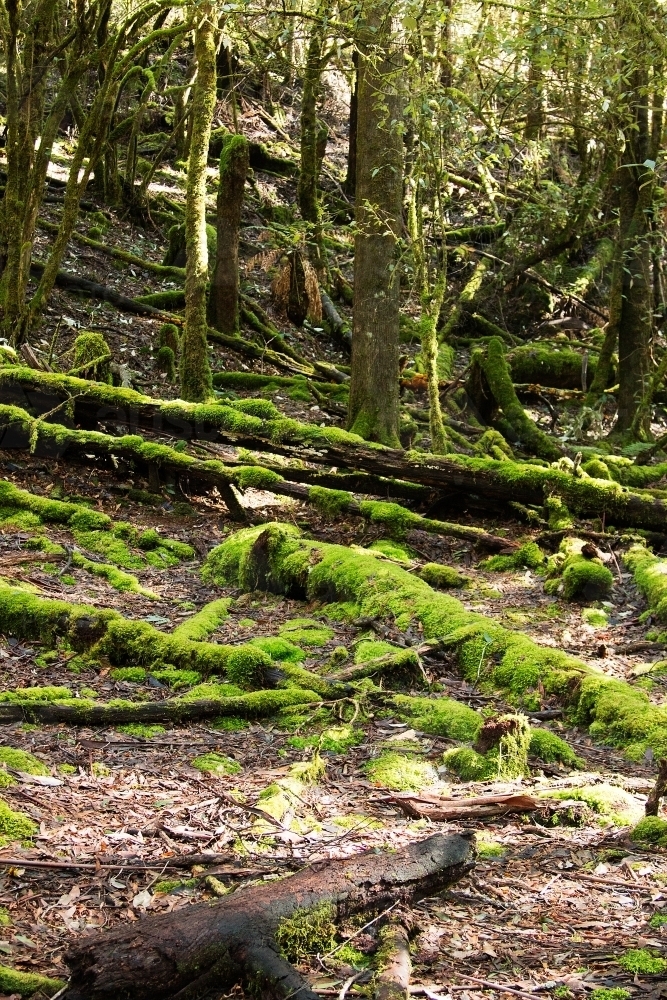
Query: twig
<point x="358" y="932"/>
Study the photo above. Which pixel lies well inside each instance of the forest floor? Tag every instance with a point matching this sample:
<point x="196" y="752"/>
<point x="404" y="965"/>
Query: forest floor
<point x="544" y="909"/>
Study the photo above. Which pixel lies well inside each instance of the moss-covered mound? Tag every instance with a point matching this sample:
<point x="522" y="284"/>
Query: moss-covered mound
<point x="650" y="574"/>
<point x="277" y="558"/>
<point x="577" y="574"/>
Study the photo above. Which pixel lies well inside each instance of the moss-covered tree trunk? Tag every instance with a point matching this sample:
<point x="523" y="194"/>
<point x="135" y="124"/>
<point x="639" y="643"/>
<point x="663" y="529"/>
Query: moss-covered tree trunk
<point x="224" y="294"/>
<point x="351" y="175"/>
<point x="312" y="130"/>
<point x="373" y="409"/>
<point x="195" y="370"/>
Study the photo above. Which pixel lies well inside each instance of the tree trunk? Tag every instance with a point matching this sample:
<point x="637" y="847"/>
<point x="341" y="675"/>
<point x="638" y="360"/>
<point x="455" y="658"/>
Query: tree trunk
<point x="374" y="391"/>
<point x="195" y="370"/>
<point x="351" y="177"/>
<point x="311" y="128"/>
<point x="218" y="944"/>
<point x="224" y="294"/>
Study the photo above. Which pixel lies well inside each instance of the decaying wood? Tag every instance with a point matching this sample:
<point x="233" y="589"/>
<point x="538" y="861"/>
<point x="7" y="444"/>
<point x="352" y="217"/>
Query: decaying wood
<point x="394" y="979"/>
<point x="234" y="939"/>
<point x="434" y="807"/>
<point x="658" y="791"/>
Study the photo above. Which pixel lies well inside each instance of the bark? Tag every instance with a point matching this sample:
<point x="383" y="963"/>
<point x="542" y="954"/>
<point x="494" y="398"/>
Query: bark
<point x="311" y="127"/>
<point x="233" y="940"/>
<point x="195" y="369"/>
<point x="351" y="176"/>
<point x="658" y="791"/>
<point x="374" y="392"/>
<point x="394" y="979"/>
<point x="224" y="293"/>
<point x="442" y="810"/>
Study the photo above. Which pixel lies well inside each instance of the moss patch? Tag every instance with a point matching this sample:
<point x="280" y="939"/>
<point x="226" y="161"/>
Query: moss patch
<point x="441" y="576"/>
<point x="140" y="730"/>
<point x="642" y="962"/>
<point x="612" y="805"/>
<point x="14" y="825"/>
<point x="529" y="556"/>
<point x="216" y="763"/>
<point x="205" y="622"/>
<point x="400" y="772"/>
<point x="548" y="747"/>
<point x="439" y="716"/>
<point x="307" y="932"/>
<point x="650" y="830"/>
<point x="27" y="984"/>
<point x="306" y="632"/>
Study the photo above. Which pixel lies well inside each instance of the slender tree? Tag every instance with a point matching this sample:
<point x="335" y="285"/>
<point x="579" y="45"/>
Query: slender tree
<point x="374" y="390"/>
<point x="224" y="295"/>
<point x="195" y="369"/>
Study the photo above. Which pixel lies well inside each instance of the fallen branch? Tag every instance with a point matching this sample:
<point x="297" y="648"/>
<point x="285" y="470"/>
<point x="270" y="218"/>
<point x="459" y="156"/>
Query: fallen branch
<point x="234" y="939"/>
<point x="439" y="809"/>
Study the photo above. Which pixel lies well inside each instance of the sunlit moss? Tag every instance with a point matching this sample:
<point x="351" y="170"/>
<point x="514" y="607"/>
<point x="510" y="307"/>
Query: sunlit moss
<point x="400" y="772"/>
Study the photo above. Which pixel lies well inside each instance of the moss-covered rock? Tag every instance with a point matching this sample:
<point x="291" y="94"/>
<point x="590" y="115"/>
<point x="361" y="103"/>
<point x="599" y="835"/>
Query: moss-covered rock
<point x="611" y="804"/>
<point x="650" y="830"/>
<point x="550" y="748"/>
<point x="400" y="772"/>
<point x="528" y="556"/>
<point x="441" y="576"/>
<point x="439" y="716"/>
<point x="577" y="574"/>
<point x="14" y="826"/>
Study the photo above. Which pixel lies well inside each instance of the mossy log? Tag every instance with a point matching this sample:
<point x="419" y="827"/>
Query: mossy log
<point x="93" y="290"/>
<point x="490" y="386"/>
<point x="277" y="558"/>
<point x="82" y="712"/>
<point x="484" y="481"/>
<point x="540" y="364"/>
<point x="188" y="952"/>
<point x="55" y="439"/>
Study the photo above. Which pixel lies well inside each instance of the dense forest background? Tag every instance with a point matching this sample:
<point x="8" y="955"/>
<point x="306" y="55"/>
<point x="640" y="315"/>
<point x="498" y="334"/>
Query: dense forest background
<point x="333" y="499"/>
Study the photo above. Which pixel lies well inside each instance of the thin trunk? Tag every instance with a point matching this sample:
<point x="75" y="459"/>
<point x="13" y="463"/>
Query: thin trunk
<point x="224" y="295"/>
<point x="195" y="370"/>
<point x="311" y="128"/>
<point x="351" y="176"/>
<point x="374" y="396"/>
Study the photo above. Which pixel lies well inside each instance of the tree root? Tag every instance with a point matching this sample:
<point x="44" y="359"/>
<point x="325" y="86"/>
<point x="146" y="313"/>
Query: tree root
<point x="181" y="953"/>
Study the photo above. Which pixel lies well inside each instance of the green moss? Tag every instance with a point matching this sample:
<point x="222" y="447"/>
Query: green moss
<point x="506" y="760"/>
<point x="20" y="760"/>
<point x="141" y="731"/>
<point x="136" y="675"/>
<point x="256" y="478"/>
<point x="557" y="514"/>
<point x="658" y="920"/>
<point x="597" y="469"/>
<point x="115" y="577"/>
<point x="595" y="617"/>
<point x="14" y="825"/>
<point x="36" y="694"/>
<point x="113" y="549"/>
<point x="650" y="575"/>
<point x="66" y="769"/>
<point x="489" y="849"/>
<point x="349" y="955"/>
<point x="494" y="444"/>
<point x="306" y="632"/>
<point x="5" y="918"/>
<point x="330" y="502"/>
<point x="216" y="763"/>
<point x="361" y="584"/>
<point x="27" y="984"/>
<point x="203" y="692"/>
<point x="439" y="716"/>
<point x="149" y="539"/>
<point x="177" y="679"/>
<point x="279" y="648"/>
<point x="548" y="747"/>
<point x="307" y="931"/>
<point x="612" y="805"/>
<point x="612" y="993"/>
<point x="650" y="830"/>
<point x="576" y="577"/>
<point x="437" y="575"/>
<point x="246" y="666"/>
<point x="392" y="516"/>
<point x="529" y="556"/>
<point x="543" y="365"/>
<point x="230" y="724"/>
<point x="393" y="550"/>
<point x="91" y="357"/>
<point x="641" y="962"/>
<point x="400" y="772"/>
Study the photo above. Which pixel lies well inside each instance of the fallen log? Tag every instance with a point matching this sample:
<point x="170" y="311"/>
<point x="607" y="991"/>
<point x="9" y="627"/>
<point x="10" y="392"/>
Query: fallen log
<point x="435" y="808"/>
<point x="215" y="945"/>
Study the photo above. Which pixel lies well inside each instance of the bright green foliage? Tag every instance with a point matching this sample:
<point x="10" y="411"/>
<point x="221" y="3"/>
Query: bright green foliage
<point x="439" y="716"/>
<point x="658" y="920"/>
<point x="141" y="731"/>
<point x="216" y="763"/>
<point x="650" y="575"/>
<point x="548" y="747"/>
<point x="597" y="469"/>
<point x="306" y="632"/>
<point x="27" y="984"/>
<point x="14" y="825"/>
<point x="529" y="556"/>
<point x="575" y="576"/>
<point x="509" y="759"/>
<point x="148" y="539"/>
<point x="91" y="357"/>
<point x="441" y="576"/>
<point x="400" y="772"/>
<point x="642" y="962"/>
<point x="205" y="622"/>
<point x="136" y="675"/>
<point x="330" y="502"/>
<point x="31" y="694"/>
<point x="246" y="666"/>
<point x="307" y="932"/>
<point x="20" y="760"/>
<point x="393" y="550"/>
<point x="557" y="514"/>
<point x="489" y="849"/>
<point x="613" y="805"/>
<point x="279" y="648"/>
<point x="650" y="830"/>
<point x="487" y="652"/>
